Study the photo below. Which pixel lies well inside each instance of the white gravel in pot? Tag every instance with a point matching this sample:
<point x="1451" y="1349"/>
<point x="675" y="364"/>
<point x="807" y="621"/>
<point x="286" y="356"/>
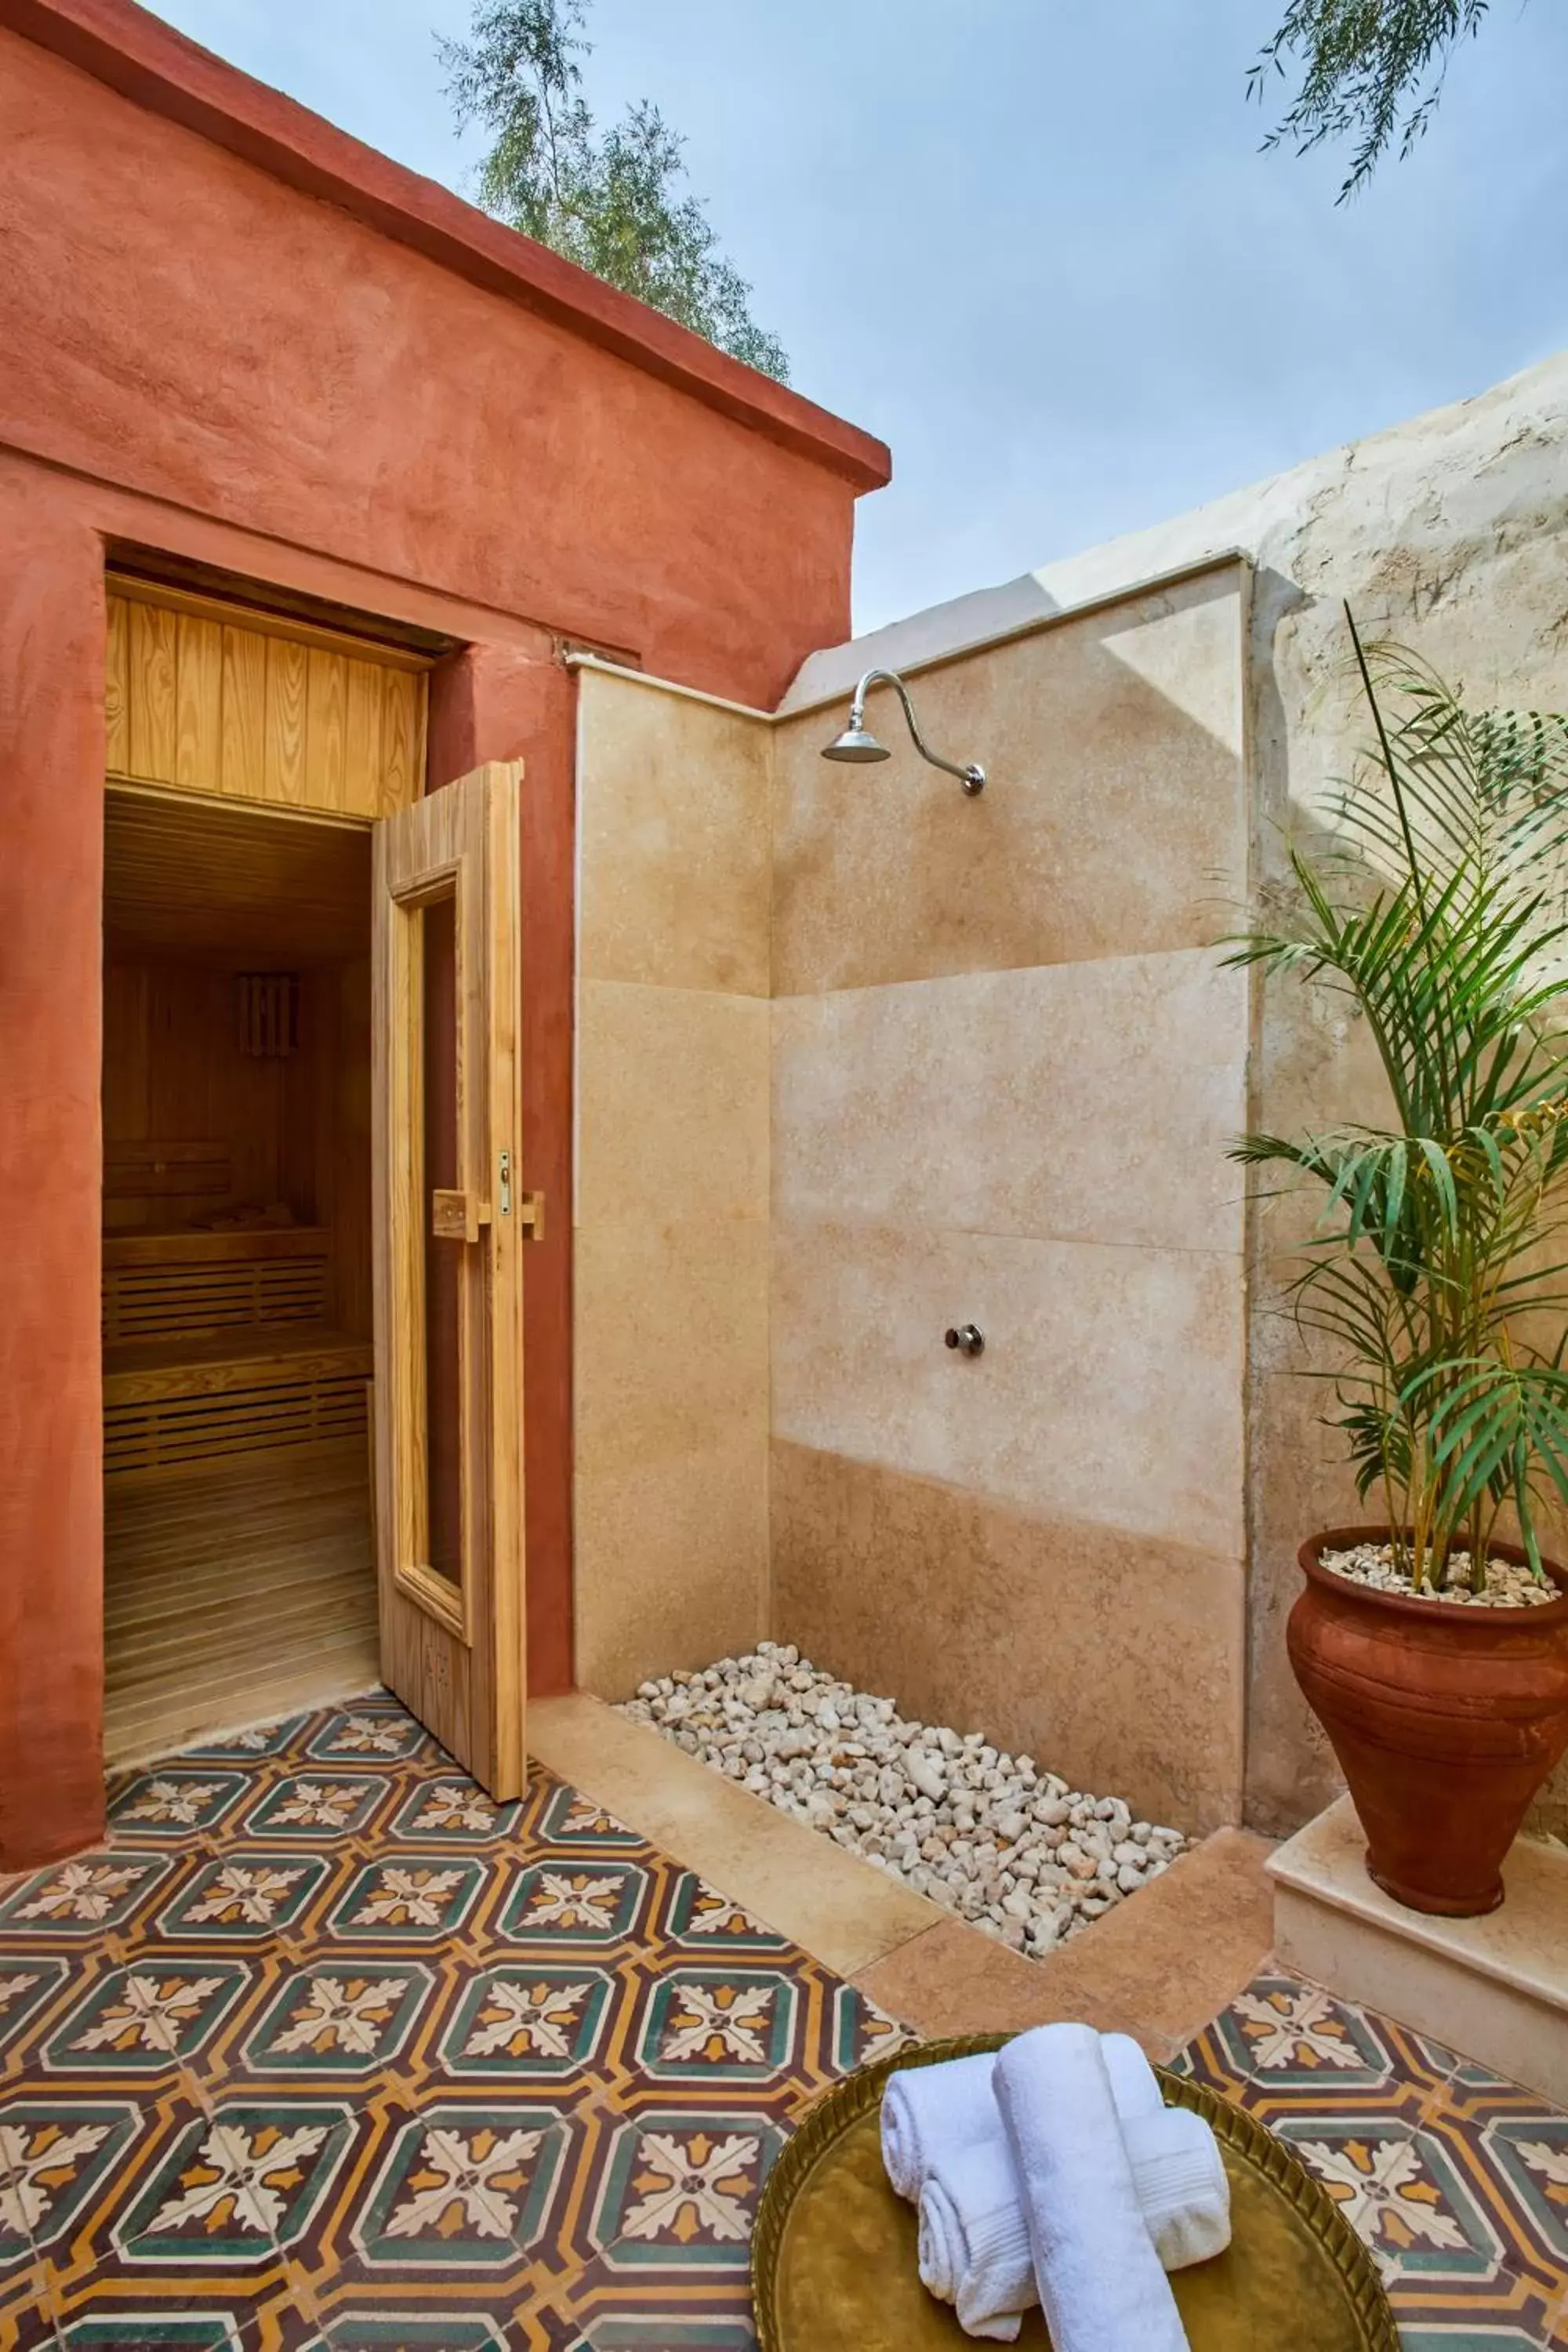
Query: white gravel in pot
<point x="1002" y="1843"/>
<point x="1508" y="1586"/>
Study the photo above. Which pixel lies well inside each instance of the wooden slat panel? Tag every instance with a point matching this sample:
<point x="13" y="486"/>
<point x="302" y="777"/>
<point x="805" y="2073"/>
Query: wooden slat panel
<point x="150" y="676"/>
<point x="326" y="722"/>
<point x="116" y="708"/>
<point x="206" y="703"/>
<point x="401" y="780"/>
<point x="198" y="715"/>
<point x="197" y="1410"/>
<point x="283" y="763"/>
<point x="230" y="1243"/>
<point x="205" y="878"/>
<point x="150" y="1371"/>
<point x="243" y="769"/>
<point x="203" y="697"/>
<point x="363" y="747"/>
<point x="175" y="1298"/>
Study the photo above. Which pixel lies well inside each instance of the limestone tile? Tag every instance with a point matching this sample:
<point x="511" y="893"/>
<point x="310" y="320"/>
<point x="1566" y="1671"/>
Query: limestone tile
<point x="953" y="1979"/>
<point x="1158" y="1967"/>
<point x="1176" y="1953"/>
<point x="671" y="1562"/>
<point x="1110" y="1389"/>
<point x="673" y="839"/>
<point x="836" y="1907"/>
<point x="671" y="1347"/>
<point x="1084" y="1101"/>
<point x="1116" y="1660"/>
<point x="1114" y="822"/>
<point x="672" y="1103"/>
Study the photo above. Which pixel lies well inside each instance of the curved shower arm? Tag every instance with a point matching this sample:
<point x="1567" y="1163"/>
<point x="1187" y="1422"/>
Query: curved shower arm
<point x="971" y="776"/>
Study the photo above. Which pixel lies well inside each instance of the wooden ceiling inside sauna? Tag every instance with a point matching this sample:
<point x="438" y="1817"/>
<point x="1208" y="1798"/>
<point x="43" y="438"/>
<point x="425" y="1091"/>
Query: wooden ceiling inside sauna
<point x="198" y="878"/>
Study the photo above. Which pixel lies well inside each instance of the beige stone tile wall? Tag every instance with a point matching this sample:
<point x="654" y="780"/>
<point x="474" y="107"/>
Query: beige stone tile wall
<point x="1005" y="1069"/>
<point x="1450" y="533"/>
<point x="1111" y="825"/>
<point x="672" y="1261"/>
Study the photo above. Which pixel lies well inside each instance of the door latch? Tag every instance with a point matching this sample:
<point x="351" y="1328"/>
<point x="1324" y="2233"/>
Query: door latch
<point x="530" y="1205"/>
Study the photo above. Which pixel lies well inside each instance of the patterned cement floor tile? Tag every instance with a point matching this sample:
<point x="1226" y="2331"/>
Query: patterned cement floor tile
<point x="324" y="2051"/>
<point x="1456" y="2179"/>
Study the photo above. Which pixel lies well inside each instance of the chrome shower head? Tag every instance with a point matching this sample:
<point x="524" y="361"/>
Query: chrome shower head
<point x="858" y="747"/>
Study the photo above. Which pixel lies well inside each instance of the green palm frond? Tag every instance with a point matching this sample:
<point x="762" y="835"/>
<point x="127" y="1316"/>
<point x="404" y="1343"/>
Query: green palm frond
<point x="1442" y="911"/>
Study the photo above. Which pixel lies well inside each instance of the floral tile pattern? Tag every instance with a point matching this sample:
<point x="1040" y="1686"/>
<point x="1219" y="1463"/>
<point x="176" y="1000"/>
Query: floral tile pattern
<point x="326" y="2052"/>
<point x="1456" y="2179"/>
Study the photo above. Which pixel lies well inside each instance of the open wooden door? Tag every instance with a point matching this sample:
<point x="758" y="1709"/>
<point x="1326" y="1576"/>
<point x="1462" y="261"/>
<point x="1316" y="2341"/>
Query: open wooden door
<point x="449" y="1222"/>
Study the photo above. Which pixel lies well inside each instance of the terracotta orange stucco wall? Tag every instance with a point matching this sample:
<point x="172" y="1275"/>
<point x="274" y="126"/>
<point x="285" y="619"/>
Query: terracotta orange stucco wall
<point x="234" y="335"/>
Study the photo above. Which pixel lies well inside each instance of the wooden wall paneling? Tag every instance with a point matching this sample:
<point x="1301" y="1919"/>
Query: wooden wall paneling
<point x="174" y="1070"/>
<point x="152" y="656"/>
<point x="326" y="723"/>
<point x="403" y="741"/>
<point x="352" y="1230"/>
<point x="210" y="697"/>
<point x="116" y="707"/>
<point x="242" y="767"/>
<point x="326" y="1053"/>
<point x="283" y="751"/>
<point x="300" y="1109"/>
<point x="362" y="726"/>
<point x="198" y="701"/>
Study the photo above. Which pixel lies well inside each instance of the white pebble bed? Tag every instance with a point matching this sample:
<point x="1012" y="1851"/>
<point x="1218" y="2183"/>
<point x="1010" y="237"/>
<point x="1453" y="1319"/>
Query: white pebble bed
<point x="1010" y="1848"/>
<point x="1508" y="1586"/>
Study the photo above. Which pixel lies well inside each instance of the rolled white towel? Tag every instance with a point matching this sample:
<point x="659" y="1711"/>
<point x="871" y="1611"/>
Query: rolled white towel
<point x="932" y="2112"/>
<point x="974" y="2250"/>
<point x="1100" y="2284"/>
<point x="929" y="2109"/>
<point x="1184" y="2188"/>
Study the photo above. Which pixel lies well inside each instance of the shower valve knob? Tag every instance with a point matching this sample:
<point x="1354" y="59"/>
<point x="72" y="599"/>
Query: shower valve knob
<point x="968" y="1338"/>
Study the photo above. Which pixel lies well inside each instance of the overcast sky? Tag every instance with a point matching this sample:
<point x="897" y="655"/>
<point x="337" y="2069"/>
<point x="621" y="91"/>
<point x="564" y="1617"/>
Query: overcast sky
<point x="1032" y="243"/>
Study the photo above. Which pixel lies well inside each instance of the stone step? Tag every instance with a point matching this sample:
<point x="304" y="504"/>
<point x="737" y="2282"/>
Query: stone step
<point x="1495" y="1989"/>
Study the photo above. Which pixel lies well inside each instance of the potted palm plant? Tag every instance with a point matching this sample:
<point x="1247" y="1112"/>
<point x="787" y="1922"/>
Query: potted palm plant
<point x="1433" y="1645"/>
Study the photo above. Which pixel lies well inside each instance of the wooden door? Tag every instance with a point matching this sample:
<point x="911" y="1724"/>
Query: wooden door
<point x="449" y="1220"/>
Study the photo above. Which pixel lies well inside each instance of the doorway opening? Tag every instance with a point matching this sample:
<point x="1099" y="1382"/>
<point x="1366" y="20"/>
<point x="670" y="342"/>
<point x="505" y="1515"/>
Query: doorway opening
<point x="240" y="1578"/>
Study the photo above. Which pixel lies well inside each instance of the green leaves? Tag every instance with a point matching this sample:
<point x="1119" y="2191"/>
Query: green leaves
<point x="610" y="201"/>
<point x="1436" y="1267"/>
<point x="1364" y="60"/>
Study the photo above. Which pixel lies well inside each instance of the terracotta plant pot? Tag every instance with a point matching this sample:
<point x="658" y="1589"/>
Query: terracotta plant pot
<point x="1445" y="1721"/>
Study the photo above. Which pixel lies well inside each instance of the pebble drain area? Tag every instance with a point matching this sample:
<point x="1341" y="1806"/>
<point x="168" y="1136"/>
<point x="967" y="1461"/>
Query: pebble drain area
<point x="999" y="1841"/>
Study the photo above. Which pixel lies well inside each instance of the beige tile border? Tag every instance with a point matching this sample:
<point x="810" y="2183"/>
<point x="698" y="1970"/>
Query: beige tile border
<point x="1158" y="1967"/>
<point x="839" y="1909"/>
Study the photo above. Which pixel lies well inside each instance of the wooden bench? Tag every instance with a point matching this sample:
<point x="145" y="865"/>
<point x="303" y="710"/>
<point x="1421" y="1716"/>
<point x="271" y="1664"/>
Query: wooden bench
<point x="215" y="1344"/>
<point x="159" y="1286"/>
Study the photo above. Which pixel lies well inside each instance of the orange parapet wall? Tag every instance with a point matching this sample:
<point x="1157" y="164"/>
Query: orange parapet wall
<point x="239" y="338"/>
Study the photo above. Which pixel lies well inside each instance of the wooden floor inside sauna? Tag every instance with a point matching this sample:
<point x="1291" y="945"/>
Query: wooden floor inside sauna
<point x="236" y="1595"/>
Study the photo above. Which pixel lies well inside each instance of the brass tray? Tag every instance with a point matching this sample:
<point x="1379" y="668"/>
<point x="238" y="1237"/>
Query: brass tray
<point x="834" y="2253"/>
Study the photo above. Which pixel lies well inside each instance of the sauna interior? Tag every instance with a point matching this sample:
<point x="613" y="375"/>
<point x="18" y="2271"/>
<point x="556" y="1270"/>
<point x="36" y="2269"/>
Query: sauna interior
<point x="236" y="1299"/>
<point x="246" y="761"/>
